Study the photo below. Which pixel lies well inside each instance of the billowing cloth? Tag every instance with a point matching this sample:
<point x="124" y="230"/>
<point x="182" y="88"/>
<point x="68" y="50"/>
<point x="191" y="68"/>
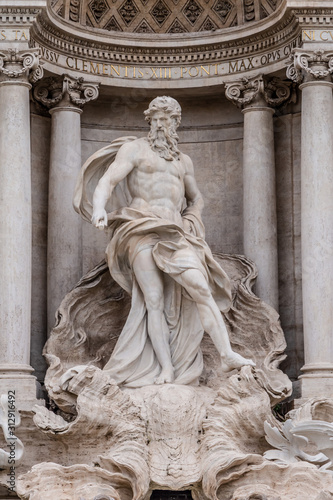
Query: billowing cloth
<point x="133" y="362"/>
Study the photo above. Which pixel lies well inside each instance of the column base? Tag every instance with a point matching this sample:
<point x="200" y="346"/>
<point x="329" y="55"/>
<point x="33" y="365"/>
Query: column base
<point x="18" y="379"/>
<point x="317" y="380"/>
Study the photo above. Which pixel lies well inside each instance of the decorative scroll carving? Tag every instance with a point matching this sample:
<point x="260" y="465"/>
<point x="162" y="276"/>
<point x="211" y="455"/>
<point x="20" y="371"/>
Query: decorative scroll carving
<point x="249" y="10"/>
<point x="74" y="10"/>
<point x="273" y="92"/>
<point x="307" y="66"/>
<point x="312" y="422"/>
<point x="16" y="63"/>
<point x="65" y="90"/>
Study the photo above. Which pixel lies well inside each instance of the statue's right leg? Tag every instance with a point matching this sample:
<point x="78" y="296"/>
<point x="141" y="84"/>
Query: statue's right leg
<point x="150" y="280"/>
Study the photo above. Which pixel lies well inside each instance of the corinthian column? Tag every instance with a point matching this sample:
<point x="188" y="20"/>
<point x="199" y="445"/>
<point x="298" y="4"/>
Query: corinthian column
<point x="64" y="97"/>
<point x="16" y="68"/>
<point x="313" y="70"/>
<point x="257" y="97"/>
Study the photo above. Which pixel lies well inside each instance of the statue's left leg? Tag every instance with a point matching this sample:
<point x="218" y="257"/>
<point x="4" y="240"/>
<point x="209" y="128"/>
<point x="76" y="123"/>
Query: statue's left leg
<point x="212" y="321"/>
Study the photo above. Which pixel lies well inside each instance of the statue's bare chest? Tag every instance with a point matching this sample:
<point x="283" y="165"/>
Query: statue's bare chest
<point x="156" y="178"/>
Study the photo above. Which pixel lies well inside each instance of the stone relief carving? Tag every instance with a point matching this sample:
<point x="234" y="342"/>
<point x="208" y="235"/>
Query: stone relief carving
<point x="192" y="11"/>
<point x="273" y="92"/>
<point x="160" y="12"/>
<point x="306" y="435"/>
<point x="16" y="63"/>
<point x="142" y="428"/>
<point x="213" y="50"/>
<point x="53" y="91"/>
<point x="310" y="65"/>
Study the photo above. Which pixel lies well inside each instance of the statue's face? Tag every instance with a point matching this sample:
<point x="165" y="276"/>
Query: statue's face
<point x="160" y="120"/>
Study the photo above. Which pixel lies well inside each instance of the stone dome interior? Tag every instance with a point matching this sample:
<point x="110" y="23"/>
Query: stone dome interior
<point x="163" y="16"/>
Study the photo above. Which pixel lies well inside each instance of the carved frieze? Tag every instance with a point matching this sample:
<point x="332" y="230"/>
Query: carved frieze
<point x="259" y="90"/>
<point x="64" y="90"/>
<point x="310" y="65"/>
<point x="16" y="63"/>
<point x="240" y="50"/>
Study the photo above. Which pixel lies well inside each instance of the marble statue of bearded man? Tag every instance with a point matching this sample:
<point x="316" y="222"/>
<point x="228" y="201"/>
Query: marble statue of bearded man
<point x="157" y="253"/>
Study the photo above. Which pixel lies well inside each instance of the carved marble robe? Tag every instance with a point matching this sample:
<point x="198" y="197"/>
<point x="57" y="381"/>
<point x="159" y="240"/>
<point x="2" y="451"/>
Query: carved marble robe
<point x="133" y="362"/>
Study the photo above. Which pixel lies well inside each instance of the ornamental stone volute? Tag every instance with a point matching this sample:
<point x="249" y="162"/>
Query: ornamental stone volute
<point x="20" y="64"/>
<point x="259" y="91"/>
<point x="65" y="91"/>
<point x="310" y="66"/>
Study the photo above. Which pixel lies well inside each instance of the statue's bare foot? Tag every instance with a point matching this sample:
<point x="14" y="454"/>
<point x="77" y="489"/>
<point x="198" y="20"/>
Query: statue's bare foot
<point x="234" y="360"/>
<point x="165" y="377"/>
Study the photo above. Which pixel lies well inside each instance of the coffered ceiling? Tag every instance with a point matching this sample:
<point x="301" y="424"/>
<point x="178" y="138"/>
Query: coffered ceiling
<point x="163" y="16"/>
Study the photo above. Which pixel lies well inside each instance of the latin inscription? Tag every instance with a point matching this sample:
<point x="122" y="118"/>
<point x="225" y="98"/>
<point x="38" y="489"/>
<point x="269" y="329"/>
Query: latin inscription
<point x="317" y="35"/>
<point x="199" y="71"/>
<point x="14" y="35"/>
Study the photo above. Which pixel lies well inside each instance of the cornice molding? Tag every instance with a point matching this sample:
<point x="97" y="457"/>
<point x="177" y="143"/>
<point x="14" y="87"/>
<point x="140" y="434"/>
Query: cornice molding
<point x="19" y="13"/>
<point x="190" y="49"/>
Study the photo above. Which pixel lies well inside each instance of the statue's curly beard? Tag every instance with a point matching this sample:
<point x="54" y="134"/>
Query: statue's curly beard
<point x="164" y="142"/>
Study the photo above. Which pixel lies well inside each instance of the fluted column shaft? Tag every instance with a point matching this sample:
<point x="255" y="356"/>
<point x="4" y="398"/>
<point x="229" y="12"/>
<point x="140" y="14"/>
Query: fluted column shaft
<point x="259" y="200"/>
<point x="15" y="224"/>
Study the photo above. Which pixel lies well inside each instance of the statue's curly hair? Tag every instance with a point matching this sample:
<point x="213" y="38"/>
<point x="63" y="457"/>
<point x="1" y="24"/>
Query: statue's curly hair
<point x="167" y="104"/>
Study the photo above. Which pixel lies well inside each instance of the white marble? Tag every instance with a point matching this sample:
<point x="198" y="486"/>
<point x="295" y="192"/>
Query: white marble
<point x="64" y="254"/>
<point x="15" y="241"/>
<point x="259" y="198"/>
<point x="317" y="237"/>
<point x="15" y="224"/>
<point x="158" y="254"/>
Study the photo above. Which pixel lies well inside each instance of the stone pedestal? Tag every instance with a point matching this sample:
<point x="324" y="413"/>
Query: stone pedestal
<point x="317" y="220"/>
<point x="65" y="97"/>
<point x="15" y="225"/>
<point x="257" y="97"/>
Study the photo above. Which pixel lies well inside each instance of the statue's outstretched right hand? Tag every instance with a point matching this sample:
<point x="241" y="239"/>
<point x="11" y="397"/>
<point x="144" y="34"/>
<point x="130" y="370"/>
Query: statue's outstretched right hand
<point x="100" y="218"/>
